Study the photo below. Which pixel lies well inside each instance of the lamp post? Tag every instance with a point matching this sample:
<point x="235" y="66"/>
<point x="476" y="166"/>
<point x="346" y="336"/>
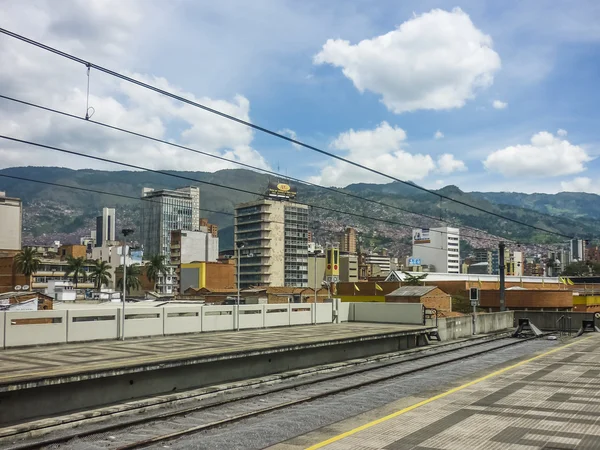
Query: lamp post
<point x="126" y="232"/>
<point x="240" y="246"/>
<point x="316" y="253"/>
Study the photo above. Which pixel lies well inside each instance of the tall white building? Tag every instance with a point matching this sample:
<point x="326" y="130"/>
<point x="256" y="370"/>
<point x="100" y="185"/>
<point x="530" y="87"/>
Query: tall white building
<point x="105" y="226"/>
<point x="166" y="210"/>
<point x="439" y="247"/>
<point x="577" y="250"/>
<point x="10" y="222"/>
<point x="275" y="238"/>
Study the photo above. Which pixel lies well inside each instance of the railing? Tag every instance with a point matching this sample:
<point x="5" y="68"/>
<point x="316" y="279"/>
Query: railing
<point x="563" y="325"/>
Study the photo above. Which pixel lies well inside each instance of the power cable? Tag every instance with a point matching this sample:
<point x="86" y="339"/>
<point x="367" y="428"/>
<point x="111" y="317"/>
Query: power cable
<point x="245" y="191"/>
<point x="308" y="183"/>
<point x="262" y="129"/>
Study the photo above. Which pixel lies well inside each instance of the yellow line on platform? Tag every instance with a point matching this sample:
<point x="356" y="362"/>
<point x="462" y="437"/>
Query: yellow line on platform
<point x="436" y="397"/>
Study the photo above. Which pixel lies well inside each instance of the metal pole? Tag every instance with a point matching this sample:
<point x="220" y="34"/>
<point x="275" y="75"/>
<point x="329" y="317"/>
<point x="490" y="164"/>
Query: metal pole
<point x="124" y="291"/>
<point x="239" y="268"/>
<point x="474" y="319"/>
<point x="316" y="284"/>
<point x="501" y="269"/>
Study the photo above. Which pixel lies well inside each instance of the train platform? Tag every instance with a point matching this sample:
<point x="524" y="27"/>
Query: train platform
<point x="58" y="378"/>
<point x="549" y="401"/>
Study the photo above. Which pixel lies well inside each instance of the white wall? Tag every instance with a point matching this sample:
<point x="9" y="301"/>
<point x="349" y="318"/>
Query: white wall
<point x="91" y="325"/>
<point x="143" y="321"/>
<point x="217" y="318"/>
<point x="182" y="319"/>
<point x="17" y="334"/>
<point x="406" y="313"/>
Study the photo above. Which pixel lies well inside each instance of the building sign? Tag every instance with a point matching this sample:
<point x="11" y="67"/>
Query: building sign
<point x="414" y="261"/>
<point x="421" y="236"/>
<point x="281" y="190"/>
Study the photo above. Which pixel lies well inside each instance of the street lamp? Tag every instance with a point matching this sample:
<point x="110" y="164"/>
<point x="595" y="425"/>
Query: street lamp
<point x="240" y="246"/>
<point x="316" y="253"/>
<point x="126" y="232"/>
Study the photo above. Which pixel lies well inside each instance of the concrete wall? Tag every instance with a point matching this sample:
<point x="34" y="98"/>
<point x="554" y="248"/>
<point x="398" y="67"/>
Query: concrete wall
<point x="51" y="327"/>
<point x="547" y="320"/>
<point x="487" y="323"/>
<point x="408" y="313"/>
<point x="450" y="328"/>
<point x="91" y="325"/>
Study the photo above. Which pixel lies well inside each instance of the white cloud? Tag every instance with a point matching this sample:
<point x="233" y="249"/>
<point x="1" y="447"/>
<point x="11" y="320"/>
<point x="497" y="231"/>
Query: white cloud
<point x="105" y="31"/>
<point x="580" y="184"/>
<point x="438" y="135"/>
<point x="498" y="104"/>
<point x="561" y="132"/>
<point x="379" y="149"/>
<point x="436" y="60"/>
<point x="291" y="134"/>
<point x="546" y="155"/>
<point x="447" y="164"/>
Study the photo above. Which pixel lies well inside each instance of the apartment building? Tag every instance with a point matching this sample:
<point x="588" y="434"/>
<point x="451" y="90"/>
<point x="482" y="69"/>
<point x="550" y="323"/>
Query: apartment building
<point x="105" y="226"/>
<point x="438" y="247"/>
<point x="10" y="223"/>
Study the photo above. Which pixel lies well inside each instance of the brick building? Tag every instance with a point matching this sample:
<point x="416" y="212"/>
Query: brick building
<point x="429" y="296"/>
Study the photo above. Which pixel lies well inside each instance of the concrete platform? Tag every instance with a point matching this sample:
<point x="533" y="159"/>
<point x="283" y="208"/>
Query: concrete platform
<point x="41" y="381"/>
<point x="550" y="401"/>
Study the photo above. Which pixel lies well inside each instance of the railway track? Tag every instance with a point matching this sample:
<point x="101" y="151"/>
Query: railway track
<point x="140" y="432"/>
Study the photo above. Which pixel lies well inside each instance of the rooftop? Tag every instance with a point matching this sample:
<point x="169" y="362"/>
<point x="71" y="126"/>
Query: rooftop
<point x="412" y="291"/>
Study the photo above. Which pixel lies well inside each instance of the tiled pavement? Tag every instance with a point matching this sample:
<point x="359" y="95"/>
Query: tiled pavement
<point x="21" y="364"/>
<point x="550" y="402"/>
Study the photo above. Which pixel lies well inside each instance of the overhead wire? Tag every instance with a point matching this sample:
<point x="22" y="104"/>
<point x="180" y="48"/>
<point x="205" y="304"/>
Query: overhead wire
<point x="249" y="166"/>
<point x="195" y="180"/>
<point x="263" y="129"/>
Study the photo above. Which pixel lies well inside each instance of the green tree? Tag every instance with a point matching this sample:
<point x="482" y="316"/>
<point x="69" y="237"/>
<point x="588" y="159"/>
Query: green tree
<point x="413" y="280"/>
<point x="133" y="278"/>
<point x="75" y="268"/>
<point x="100" y="274"/>
<point x="155" y="267"/>
<point x="27" y="262"/>
<point x="576" y="269"/>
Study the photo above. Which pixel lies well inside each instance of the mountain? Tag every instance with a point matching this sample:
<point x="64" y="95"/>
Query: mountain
<point x="566" y="204"/>
<point x="52" y="212"/>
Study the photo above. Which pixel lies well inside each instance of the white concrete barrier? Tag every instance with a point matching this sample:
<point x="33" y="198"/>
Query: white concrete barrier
<point x="35" y="328"/>
<point x="324" y="312"/>
<point x="343" y="309"/>
<point x="277" y="315"/>
<point x="301" y="314"/>
<point x="252" y="316"/>
<point x="92" y="324"/>
<point x="182" y="319"/>
<point x="217" y="318"/>
<point x="406" y="313"/>
<point x="143" y="321"/>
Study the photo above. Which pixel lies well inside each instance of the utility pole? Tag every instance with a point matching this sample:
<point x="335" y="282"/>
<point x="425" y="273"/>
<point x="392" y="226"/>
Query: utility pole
<point x="126" y="232"/>
<point x="501" y="268"/>
<point x="317" y="285"/>
<point x="240" y="246"/>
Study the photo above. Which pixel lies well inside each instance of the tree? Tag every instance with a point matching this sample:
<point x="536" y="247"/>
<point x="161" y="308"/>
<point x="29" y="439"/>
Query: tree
<point x="155" y="267"/>
<point x="413" y="280"/>
<point x="133" y="278"/>
<point x="75" y="267"/>
<point x="575" y="269"/>
<point x="100" y="274"/>
<point x="27" y="262"/>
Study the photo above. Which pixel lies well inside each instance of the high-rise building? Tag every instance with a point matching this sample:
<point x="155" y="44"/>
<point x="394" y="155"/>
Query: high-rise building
<point x="10" y="223"/>
<point x="105" y="226"/>
<point x="189" y="246"/>
<point x="348" y="268"/>
<point x="577" y="250"/>
<point x="438" y="247"/>
<point x="348" y="241"/>
<point x="166" y="210"/>
<point x="377" y="265"/>
<point x="274" y="234"/>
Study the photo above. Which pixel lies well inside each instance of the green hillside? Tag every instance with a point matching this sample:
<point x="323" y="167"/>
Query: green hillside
<point x="50" y="210"/>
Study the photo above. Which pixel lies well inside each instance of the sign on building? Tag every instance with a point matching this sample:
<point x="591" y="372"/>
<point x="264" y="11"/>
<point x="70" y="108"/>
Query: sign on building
<point x="281" y="190"/>
<point x="414" y="261"/>
<point x="421" y="236"/>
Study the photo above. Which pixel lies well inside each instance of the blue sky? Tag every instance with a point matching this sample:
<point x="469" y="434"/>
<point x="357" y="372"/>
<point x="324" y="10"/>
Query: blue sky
<point x="372" y="81"/>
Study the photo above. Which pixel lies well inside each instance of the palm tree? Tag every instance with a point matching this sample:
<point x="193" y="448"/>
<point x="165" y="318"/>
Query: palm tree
<point x="75" y="268"/>
<point x="100" y="274"/>
<point x="27" y="262"/>
<point x="133" y="278"/>
<point x="413" y="280"/>
<point x="156" y="267"/>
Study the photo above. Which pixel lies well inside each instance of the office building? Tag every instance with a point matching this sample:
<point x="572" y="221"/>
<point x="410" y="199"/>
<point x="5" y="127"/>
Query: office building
<point x="274" y="234"/>
<point x="105" y="226"/>
<point x="438" y="247"/>
<point x="166" y="210"/>
<point x="11" y="219"/>
<point x="577" y="250"/>
<point x="348" y="241"/>
<point x="376" y="265"/>
<point x="348" y="267"/>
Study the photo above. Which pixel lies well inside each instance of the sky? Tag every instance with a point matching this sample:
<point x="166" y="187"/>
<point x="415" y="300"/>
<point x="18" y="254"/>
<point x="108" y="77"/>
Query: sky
<point x="484" y="95"/>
